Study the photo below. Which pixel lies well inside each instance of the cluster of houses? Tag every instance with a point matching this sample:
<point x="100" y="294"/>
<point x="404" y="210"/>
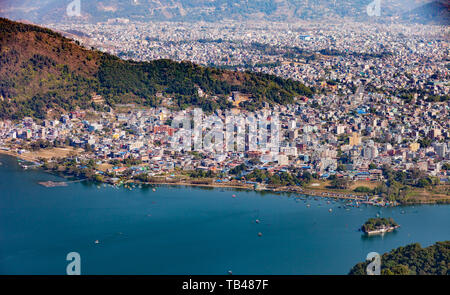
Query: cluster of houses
<point x="332" y="135"/>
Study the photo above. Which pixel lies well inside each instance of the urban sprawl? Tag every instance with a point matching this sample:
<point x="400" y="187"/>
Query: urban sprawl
<point x="380" y="112"/>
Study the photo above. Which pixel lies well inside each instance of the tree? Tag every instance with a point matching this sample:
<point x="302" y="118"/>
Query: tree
<point x="401" y="270"/>
<point x="341" y="167"/>
<point x="340" y="183"/>
<point x="362" y="189"/>
<point x="307" y="177"/>
<point x="98" y="178"/>
<point x="238" y="169"/>
<point x="423" y="182"/>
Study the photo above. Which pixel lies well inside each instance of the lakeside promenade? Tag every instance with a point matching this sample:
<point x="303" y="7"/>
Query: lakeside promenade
<point x="323" y="193"/>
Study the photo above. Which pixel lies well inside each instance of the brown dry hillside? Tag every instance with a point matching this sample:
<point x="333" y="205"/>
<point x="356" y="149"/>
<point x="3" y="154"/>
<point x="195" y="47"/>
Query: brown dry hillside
<point x="52" y="45"/>
<point x="36" y="60"/>
<point x="41" y="70"/>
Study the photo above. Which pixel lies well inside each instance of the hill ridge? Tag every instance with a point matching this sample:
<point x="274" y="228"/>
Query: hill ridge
<point x="42" y="70"/>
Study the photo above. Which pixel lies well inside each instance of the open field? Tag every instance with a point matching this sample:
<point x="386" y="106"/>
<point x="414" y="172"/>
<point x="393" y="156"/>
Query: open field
<point x="104" y="167"/>
<point x="440" y="193"/>
<point x="43" y="153"/>
<point x="324" y="185"/>
<point x="54" y="153"/>
<point x="366" y="183"/>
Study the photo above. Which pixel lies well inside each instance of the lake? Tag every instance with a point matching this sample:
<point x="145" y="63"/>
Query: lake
<point x="189" y="230"/>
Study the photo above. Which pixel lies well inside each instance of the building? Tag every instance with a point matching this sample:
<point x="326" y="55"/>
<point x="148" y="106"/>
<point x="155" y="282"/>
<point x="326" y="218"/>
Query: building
<point x="340" y="129"/>
<point x="28" y="134"/>
<point x="293" y="134"/>
<point x="283" y="160"/>
<point x="355" y="139"/>
<point x="441" y="149"/>
<point x="414" y="147"/>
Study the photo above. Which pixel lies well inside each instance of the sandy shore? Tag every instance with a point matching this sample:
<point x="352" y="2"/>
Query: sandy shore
<point x="25" y="157"/>
<point x="41" y="154"/>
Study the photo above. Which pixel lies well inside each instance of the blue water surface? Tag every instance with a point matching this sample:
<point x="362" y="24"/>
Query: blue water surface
<point x="187" y="230"/>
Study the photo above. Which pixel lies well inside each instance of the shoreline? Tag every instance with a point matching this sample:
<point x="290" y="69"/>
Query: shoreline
<point x="191" y="184"/>
<point x="320" y="194"/>
<point x="19" y="156"/>
<point x="297" y="190"/>
<point x="307" y="193"/>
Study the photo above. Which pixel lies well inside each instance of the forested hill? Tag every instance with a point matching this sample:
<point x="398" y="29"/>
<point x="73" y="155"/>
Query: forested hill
<point x="413" y="260"/>
<point x="42" y="70"/>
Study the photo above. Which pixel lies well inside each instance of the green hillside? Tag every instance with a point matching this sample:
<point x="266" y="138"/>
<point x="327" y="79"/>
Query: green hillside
<point x="40" y="70"/>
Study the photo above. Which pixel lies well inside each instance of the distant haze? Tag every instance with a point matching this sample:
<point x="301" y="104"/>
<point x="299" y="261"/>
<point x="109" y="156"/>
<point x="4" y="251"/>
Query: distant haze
<point x="46" y="11"/>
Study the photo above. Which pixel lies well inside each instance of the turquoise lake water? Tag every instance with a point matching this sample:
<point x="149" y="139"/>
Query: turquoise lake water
<point x="185" y="230"/>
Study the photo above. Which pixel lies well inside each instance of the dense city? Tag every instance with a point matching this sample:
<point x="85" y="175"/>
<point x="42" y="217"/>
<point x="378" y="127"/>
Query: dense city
<point x="381" y="104"/>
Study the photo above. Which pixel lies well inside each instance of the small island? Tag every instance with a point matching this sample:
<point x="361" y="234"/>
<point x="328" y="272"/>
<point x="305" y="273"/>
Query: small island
<point x="376" y="226"/>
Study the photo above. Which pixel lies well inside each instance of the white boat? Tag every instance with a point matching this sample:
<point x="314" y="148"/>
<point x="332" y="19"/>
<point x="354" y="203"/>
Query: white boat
<point x="382" y="230"/>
